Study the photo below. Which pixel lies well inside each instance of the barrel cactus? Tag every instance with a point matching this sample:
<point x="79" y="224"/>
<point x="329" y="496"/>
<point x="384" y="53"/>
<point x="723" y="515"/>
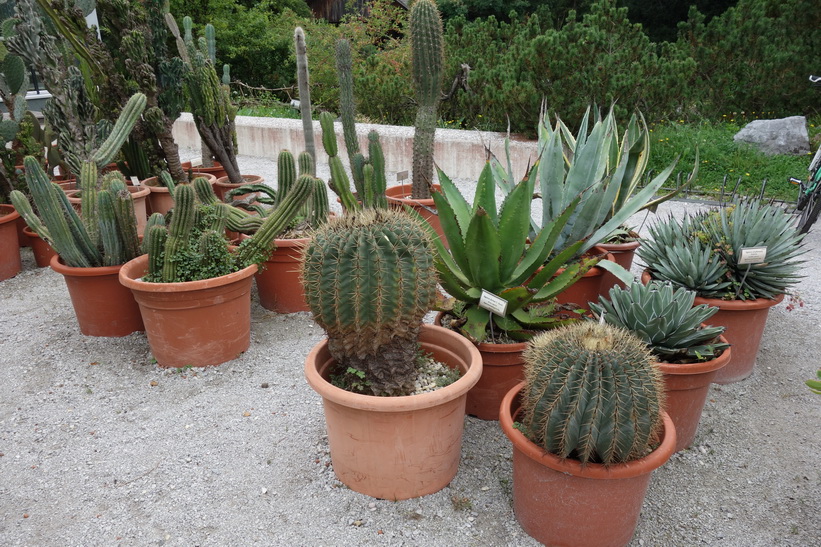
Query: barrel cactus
<point x="369" y="280"/>
<point x="592" y="394"/>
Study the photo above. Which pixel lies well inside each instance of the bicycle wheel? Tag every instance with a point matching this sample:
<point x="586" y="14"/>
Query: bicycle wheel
<point x="809" y="214"/>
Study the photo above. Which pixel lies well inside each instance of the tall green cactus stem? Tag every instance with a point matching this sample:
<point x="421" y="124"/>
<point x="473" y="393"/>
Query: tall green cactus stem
<point x="592" y="393"/>
<point x="154" y="245"/>
<point x="427" y="49"/>
<point x="88" y="201"/>
<point x="377" y="160"/>
<point x="304" y="90"/>
<point x="339" y="182"/>
<point x="179" y="231"/>
<point x="369" y="280"/>
<point x="226" y="74"/>
<point x="286" y="172"/>
<point x="307" y="165"/>
<point x="112" y="246"/>
<point x="122" y="128"/>
<point x="318" y="206"/>
<point x="347" y="106"/>
<point x="259" y="246"/>
<point x="237" y="219"/>
<point x="126" y="222"/>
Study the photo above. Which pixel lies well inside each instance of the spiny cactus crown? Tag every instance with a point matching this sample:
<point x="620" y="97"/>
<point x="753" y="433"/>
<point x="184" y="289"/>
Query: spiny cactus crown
<point x="592" y="393"/>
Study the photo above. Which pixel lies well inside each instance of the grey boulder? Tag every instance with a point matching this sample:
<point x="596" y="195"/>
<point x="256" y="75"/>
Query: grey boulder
<point x="787" y="136"/>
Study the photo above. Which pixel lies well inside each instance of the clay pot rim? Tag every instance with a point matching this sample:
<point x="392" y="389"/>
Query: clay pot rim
<point x="635" y="468"/>
<point x="223" y="181"/>
<point x="60" y="267"/>
<point x="702" y="367"/>
<point x="128" y="277"/>
<point x="489" y="347"/>
<point x="8" y="213"/>
<point x="151" y="182"/>
<point x="726" y="305"/>
<point x="405" y="403"/>
<point x="401" y="193"/>
<point x="620" y="247"/>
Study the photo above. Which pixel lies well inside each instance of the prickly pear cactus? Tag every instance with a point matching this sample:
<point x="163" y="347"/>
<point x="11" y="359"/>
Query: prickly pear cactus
<point x="369" y="279"/>
<point x="592" y="394"/>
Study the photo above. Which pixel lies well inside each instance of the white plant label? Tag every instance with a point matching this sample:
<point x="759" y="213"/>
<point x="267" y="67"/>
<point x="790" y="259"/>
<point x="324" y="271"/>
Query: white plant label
<point x="134" y="180"/>
<point x="753" y="255"/>
<point x="493" y="303"/>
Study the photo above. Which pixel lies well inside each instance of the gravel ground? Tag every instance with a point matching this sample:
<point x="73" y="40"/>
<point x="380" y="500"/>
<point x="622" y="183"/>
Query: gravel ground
<point x="99" y="446"/>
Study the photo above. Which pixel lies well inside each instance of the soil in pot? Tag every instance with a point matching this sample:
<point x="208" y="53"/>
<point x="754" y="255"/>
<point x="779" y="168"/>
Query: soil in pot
<point x="397" y="447"/>
<point x="560" y="502"/>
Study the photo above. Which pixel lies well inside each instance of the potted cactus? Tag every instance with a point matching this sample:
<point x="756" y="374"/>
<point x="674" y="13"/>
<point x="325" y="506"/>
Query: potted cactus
<point x="588" y="429"/>
<point x="741" y="259"/>
<point x="387" y="441"/>
<point x="194" y="293"/>
<point x="91" y="249"/>
<point x="490" y="253"/>
<point x="688" y="352"/>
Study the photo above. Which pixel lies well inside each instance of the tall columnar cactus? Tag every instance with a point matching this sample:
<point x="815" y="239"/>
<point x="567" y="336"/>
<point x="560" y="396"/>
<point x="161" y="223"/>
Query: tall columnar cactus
<point x="210" y="101"/>
<point x="304" y="90"/>
<point x="372" y="320"/>
<point x="372" y="192"/>
<point x="427" y="48"/>
<point x="592" y="394"/>
<point x="347" y="106"/>
<point x="89" y="241"/>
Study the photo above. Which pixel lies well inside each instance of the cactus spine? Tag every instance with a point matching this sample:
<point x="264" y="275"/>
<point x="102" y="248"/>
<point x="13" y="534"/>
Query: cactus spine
<point x="372" y="320"/>
<point x="304" y="90"/>
<point x="592" y="393"/>
<point x="427" y="49"/>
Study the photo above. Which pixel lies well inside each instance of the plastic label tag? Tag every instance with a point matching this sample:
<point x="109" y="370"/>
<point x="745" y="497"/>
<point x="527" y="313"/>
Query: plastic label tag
<point x="752" y="255"/>
<point x="134" y="180"/>
<point x="493" y="303"/>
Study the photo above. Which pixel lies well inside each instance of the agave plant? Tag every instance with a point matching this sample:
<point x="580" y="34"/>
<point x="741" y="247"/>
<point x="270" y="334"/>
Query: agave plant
<point x="665" y="319"/>
<point x="704" y="251"/>
<point x="605" y="171"/>
<point x="489" y="252"/>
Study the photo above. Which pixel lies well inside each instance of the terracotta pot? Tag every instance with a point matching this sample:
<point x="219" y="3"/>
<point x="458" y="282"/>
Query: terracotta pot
<point x="222" y="186"/>
<point x="560" y="502"/>
<point x="103" y="307"/>
<point x="42" y="250"/>
<point x="686" y="387"/>
<point x="197" y="323"/>
<point x="217" y="171"/>
<point x="278" y="281"/>
<point x="743" y="322"/>
<point x="398" y="447"/>
<point x="401" y="195"/>
<point x="139" y="200"/>
<point x="623" y="253"/>
<point x="159" y="198"/>
<point x="588" y="288"/>
<point x="10" y="264"/>
<point x="22" y="238"/>
<point x="502" y="368"/>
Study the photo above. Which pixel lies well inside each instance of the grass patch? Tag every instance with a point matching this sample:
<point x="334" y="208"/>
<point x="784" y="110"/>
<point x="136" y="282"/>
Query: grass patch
<point x="719" y="155"/>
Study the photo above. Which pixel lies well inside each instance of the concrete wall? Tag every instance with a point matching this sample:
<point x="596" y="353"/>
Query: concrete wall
<point x="460" y="154"/>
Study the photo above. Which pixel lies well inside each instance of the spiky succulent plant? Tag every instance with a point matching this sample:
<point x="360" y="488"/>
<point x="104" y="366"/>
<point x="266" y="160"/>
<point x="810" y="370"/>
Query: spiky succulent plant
<point x="592" y="394"/>
<point x="703" y="251"/>
<point x="369" y="280"/>
<point x="665" y="318"/>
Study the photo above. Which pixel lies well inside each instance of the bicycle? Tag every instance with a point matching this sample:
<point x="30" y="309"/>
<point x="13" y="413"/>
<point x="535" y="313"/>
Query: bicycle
<point x="809" y="192"/>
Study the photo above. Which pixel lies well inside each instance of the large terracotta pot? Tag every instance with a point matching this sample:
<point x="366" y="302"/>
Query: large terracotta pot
<point x="589" y="287"/>
<point x="222" y="186"/>
<point x="196" y="323"/>
<point x="159" y="198"/>
<point x="139" y="201"/>
<point x="103" y="307"/>
<point x="398" y="447"/>
<point x="623" y="254"/>
<point x="278" y="281"/>
<point x="400" y="195"/>
<point x="502" y="368"/>
<point x="560" y="502"/>
<point x="10" y="263"/>
<point x="743" y="322"/>
<point x="686" y="387"/>
<point x="43" y="252"/>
